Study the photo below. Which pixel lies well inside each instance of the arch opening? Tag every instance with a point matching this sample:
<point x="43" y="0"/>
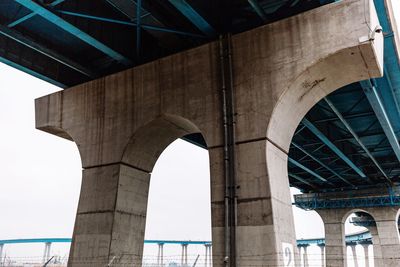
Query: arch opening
<point x="173" y="151"/>
<point x="362" y="241"/>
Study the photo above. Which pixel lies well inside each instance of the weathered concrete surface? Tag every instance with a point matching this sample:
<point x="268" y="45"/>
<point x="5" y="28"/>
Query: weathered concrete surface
<point x="355" y="258"/>
<point x="121" y="123"/>
<point x="376" y="245"/>
<point x="335" y="245"/>
<point x="386" y="219"/>
<point x="385" y="236"/>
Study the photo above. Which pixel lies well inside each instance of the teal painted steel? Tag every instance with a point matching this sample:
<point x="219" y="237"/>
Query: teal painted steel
<point x="380" y="111"/>
<point x="194" y="17"/>
<point x="9" y="33"/>
<point x="28" y="16"/>
<point x="68" y="27"/>
<point x="357" y="237"/>
<point x="322" y="164"/>
<point x="129" y="23"/>
<point x="31" y="72"/>
<point x="301" y="166"/>
<point x="334" y="148"/>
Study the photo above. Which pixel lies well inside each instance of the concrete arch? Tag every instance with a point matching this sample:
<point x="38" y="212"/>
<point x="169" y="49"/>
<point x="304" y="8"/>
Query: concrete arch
<point x="323" y="77"/>
<point x="371" y="227"/>
<point x="348" y="213"/>
<point x="150" y="140"/>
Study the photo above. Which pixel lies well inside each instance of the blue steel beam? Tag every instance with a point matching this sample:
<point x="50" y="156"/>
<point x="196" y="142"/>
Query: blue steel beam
<point x="9" y="33"/>
<point x="30" y="15"/>
<point x="36" y="240"/>
<point x="322" y="164"/>
<point x="359" y="237"/>
<point x="298" y="178"/>
<point x="334" y="148"/>
<point x="31" y="72"/>
<point x="389" y="81"/>
<point x="129" y="23"/>
<point x="69" y="240"/>
<point x="301" y="166"/>
<point x="194" y="17"/>
<point x="68" y="27"/>
<point x="380" y="112"/>
<point x="258" y="9"/>
<point x="356" y="137"/>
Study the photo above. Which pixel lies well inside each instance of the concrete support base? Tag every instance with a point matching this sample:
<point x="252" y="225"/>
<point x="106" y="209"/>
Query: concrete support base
<point x="335" y="246"/>
<point x="387" y="227"/>
<point x="108" y="227"/>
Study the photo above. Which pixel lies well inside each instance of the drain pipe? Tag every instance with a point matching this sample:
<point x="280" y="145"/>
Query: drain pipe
<point x="228" y="112"/>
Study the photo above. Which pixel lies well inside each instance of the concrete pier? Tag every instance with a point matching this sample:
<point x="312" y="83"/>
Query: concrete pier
<point x="121" y="124"/>
<point x="354" y="252"/>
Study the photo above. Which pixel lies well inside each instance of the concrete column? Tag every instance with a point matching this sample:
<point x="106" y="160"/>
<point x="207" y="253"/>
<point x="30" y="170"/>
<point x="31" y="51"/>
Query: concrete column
<point x="305" y="255"/>
<point x="388" y="232"/>
<point x="111" y="216"/>
<point x="46" y="254"/>
<point x="210" y="256"/>
<point x="366" y="254"/>
<point x="184" y="256"/>
<point x="376" y="245"/>
<point x="335" y="247"/>
<point x="354" y="252"/>
<point x="160" y="255"/>
<point x="1" y="253"/>
<point x="205" y="256"/>
<point x="322" y="247"/>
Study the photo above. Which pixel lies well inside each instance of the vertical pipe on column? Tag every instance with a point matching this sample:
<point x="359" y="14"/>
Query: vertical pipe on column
<point x="228" y="111"/>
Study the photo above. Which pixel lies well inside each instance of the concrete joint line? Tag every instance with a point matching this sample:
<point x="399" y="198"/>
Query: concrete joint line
<point x="111" y="211"/>
<point x="277" y="146"/>
<point x="95" y="212"/>
<point x="116" y="163"/>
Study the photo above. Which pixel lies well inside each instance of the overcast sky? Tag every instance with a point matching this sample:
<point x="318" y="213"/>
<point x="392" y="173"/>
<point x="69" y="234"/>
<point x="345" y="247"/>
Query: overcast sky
<point x="41" y="177"/>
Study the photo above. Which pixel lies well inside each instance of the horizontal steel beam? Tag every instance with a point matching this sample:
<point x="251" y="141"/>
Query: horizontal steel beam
<point x="31" y="72"/>
<point x="194" y="17"/>
<point x="322" y="164"/>
<point x="258" y="9"/>
<point x="129" y="23"/>
<point x="356" y="137"/>
<point x="68" y="27"/>
<point x="302" y="180"/>
<point x="334" y="148"/>
<point x="380" y="112"/>
<point x="301" y="166"/>
<point x="9" y="33"/>
<point x="30" y="15"/>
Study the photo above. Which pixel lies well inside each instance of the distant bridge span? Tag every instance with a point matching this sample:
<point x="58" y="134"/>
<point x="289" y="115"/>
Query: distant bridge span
<point x="363" y="236"/>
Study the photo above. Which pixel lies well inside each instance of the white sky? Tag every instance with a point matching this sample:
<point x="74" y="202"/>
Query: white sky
<point x="41" y="175"/>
